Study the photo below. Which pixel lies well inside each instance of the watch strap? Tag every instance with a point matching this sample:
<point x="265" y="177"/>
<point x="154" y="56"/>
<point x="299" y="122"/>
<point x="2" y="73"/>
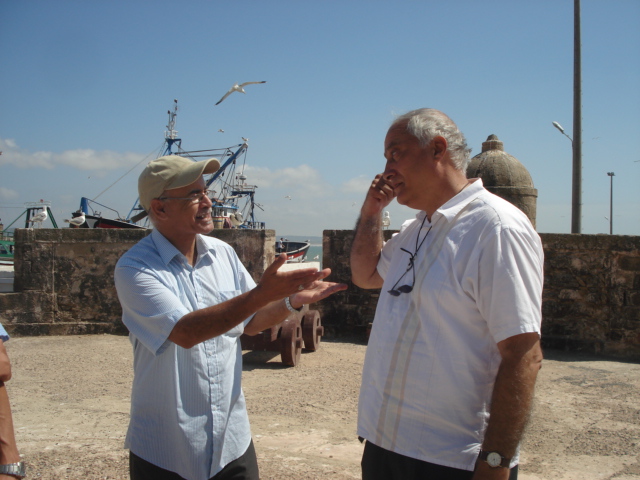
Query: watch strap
<point x="287" y="302"/>
<point x="17" y="469"/>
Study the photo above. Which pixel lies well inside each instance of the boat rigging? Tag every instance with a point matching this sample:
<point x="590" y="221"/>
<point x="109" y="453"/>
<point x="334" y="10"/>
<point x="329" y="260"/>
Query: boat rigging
<point x="233" y="199"/>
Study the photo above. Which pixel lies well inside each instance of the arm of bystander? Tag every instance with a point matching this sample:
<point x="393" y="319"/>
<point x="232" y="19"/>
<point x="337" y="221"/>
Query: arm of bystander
<point x="8" y="448"/>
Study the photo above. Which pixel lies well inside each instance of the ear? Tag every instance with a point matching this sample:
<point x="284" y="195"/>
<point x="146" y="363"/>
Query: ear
<point x="157" y="207"/>
<point x="439" y="147"/>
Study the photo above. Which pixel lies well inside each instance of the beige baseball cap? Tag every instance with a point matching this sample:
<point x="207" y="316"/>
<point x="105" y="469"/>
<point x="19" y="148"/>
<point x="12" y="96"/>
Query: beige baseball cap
<point x="171" y="171"/>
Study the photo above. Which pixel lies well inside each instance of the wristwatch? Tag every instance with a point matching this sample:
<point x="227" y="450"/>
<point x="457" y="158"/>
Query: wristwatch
<point x="494" y="459"/>
<point x="16" y="469"/>
<point x="287" y="302"/>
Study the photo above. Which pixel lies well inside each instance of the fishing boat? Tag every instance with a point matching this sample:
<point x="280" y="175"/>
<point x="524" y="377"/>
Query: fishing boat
<point x="232" y="197"/>
<point x="296" y="251"/>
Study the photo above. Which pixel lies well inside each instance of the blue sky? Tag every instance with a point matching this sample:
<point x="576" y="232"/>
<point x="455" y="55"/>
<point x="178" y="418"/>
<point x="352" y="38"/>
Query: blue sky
<point x="86" y="86"/>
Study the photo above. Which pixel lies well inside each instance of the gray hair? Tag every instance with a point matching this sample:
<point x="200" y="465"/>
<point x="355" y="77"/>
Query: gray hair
<point x="427" y="123"/>
<point x="152" y="217"/>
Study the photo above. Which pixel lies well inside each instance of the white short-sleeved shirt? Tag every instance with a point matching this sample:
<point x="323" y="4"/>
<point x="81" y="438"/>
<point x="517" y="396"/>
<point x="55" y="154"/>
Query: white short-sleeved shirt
<point x="432" y="357"/>
<point x="188" y="411"/>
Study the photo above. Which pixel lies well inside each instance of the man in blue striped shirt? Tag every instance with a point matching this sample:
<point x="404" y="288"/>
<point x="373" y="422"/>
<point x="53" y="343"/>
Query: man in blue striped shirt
<point x="186" y="299"/>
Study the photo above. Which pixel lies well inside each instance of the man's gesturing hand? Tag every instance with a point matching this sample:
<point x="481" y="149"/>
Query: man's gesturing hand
<point x="379" y="195"/>
<point x="276" y="284"/>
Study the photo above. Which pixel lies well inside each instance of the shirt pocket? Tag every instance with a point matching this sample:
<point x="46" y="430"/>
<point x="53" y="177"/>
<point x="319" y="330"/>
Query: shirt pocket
<point x="223" y="297"/>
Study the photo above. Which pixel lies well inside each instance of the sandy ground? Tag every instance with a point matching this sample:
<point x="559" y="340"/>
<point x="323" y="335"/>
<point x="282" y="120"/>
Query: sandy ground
<point x="70" y="398"/>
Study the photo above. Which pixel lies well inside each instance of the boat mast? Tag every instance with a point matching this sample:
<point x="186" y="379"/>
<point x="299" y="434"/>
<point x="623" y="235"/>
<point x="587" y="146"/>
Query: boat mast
<point x="137" y="213"/>
<point x="171" y="135"/>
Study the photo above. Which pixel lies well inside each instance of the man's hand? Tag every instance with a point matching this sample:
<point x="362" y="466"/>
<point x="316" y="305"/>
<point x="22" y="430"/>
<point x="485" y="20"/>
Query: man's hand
<point x="317" y="290"/>
<point x="303" y="286"/>
<point x="379" y="195"/>
<point x="367" y="241"/>
<point x="276" y="285"/>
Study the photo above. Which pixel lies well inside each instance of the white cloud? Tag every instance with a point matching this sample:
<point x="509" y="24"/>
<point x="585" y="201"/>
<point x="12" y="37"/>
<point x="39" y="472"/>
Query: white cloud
<point x="8" y="194"/>
<point x="315" y="205"/>
<point x="301" y="181"/>
<point x="82" y="159"/>
<point x="359" y="184"/>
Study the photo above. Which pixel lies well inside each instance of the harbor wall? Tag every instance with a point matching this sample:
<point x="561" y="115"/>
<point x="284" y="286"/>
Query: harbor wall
<point x="63" y="278"/>
<point x="591" y="296"/>
<point x="64" y="285"/>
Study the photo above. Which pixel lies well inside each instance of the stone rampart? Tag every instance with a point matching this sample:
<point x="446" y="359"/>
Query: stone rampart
<point x="63" y="278"/>
<point x="591" y="297"/>
<point x="64" y="285"/>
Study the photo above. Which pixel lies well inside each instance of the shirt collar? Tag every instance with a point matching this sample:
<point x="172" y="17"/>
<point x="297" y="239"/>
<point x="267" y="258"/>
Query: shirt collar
<point x="454" y="205"/>
<point x="168" y="252"/>
<point x="203" y="249"/>
<point x="165" y="248"/>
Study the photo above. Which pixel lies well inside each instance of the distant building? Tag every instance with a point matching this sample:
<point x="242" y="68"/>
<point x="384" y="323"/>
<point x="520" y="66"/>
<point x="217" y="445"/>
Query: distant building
<point x="504" y="175"/>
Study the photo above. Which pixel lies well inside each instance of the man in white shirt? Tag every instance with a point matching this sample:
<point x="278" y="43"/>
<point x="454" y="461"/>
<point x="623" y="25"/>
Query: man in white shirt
<point x="454" y="351"/>
<point x="186" y="299"/>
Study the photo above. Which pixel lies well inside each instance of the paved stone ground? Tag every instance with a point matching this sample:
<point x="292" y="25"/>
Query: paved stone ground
<point x="70" y="398"/>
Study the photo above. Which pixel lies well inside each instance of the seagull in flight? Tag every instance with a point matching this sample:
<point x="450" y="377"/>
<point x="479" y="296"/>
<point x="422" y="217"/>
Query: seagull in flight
<point x="237" y="88"/>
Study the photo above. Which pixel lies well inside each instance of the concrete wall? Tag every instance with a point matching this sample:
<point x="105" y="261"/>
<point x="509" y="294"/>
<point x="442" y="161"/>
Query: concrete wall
<point x="591" y="298"/>
<point x="64" y="285"/>
<point x="63" y="278"/>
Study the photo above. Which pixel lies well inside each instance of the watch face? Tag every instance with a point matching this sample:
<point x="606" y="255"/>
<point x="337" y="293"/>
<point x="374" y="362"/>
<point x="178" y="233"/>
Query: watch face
<point x="494" y="459"/>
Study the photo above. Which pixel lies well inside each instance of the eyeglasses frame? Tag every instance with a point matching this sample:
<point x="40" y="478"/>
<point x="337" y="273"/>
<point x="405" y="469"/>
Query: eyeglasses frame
<point x="195" y="198"/>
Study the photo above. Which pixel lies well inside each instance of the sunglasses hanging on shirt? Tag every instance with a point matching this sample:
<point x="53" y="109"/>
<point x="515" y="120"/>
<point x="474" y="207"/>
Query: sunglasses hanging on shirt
<point x="407" y="288"/>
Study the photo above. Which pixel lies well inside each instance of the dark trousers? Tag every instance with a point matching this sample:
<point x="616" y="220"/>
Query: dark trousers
<point x="243" y="468"/>
<point x="380" y="464"/>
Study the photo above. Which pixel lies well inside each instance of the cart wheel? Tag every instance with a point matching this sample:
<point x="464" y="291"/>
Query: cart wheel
<point x="312" y="330"/>
<point x="290" y="342"/>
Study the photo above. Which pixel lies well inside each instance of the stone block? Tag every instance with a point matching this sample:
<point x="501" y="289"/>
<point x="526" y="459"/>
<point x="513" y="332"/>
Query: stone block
<point x="629" y="263"/>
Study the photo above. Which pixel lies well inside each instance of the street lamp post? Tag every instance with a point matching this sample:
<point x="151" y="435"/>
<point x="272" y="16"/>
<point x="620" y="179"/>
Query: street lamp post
<point x="576" y="141"/>
<point x="611" y="175"/>
<point x="576" y="201"/>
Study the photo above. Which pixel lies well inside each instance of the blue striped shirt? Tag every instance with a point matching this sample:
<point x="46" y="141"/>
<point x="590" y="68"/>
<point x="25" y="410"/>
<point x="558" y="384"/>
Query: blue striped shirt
<point x="4" y="336"/>
<point x="188" y="411"/>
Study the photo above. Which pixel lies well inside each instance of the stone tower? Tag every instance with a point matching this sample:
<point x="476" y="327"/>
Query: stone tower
<point x="504" y="175"/>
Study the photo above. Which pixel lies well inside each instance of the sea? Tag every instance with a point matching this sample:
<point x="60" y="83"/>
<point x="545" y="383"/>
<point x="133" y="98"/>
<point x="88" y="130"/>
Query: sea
<point x="314" y="251"/>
